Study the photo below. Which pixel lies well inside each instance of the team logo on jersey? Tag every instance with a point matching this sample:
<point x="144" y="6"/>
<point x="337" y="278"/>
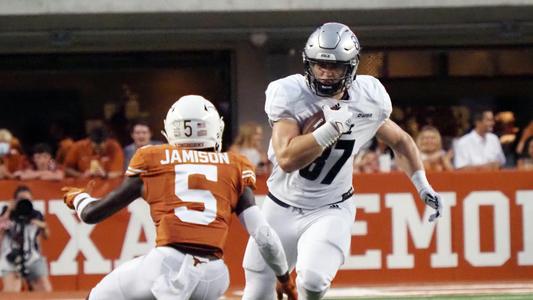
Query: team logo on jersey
<point x="197" y="261"/>
<point x="364" y="115"/>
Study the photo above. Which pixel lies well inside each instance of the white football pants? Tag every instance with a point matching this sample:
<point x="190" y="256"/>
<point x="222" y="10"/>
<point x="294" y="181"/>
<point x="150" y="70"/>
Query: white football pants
<point x="316" y="241"/>
<point x="164" y="273"/>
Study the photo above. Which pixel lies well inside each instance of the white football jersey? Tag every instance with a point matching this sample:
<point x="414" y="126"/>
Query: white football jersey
<point x="325" y="180"/>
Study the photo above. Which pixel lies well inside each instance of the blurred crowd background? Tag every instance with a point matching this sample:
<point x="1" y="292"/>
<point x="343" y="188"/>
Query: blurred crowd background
<point x="105" y="151"/>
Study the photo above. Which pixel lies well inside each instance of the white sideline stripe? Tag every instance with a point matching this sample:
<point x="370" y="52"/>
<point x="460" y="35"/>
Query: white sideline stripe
<point x="428" y="290"/>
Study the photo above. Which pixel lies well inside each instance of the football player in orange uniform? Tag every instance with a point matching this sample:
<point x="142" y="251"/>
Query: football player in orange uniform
<point x="192" y="190"/>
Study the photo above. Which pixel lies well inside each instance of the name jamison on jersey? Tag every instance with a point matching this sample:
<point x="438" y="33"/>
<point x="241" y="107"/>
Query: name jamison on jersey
<point x="191" y="156"/>
<point x="192" y="194"/>
<point x="325" y="180"/>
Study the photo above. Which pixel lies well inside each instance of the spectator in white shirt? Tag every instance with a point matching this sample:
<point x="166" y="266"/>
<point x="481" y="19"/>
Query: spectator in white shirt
<point x="479" y="149"/>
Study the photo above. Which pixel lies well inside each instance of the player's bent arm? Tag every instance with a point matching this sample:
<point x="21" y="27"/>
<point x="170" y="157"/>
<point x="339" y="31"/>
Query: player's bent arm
<point x="403" y="146"/>
<point x="410" y="161"/>
<point x="266" y="238"/>
<point x="293" y="151"/>
<point x="95" y="211"/>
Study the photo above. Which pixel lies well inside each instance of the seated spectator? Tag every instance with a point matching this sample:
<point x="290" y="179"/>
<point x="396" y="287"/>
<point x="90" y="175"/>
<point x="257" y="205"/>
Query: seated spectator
<point x="248" y="143"/>
<point x="11" y="157"/>
<point x="96" y="156"/>
<point x="141" y="136"/>
<point x="366" y="162"/>
<point x="63" y="149"/>
<point x="526" y="134"/>
<point x="429" y="143"/>
<point x="386" y="158"/>
<point x="525" y="162"/>
<point x="43" y="167"/>
<point x="480" y="149"/>
<point x="506" y="130"/>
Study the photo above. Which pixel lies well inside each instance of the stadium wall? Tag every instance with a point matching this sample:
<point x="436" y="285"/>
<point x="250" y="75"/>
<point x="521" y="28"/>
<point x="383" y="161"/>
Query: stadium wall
<point x="485" y="234"/>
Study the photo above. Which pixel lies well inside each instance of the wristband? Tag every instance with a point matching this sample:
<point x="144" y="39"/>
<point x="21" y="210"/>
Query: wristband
<point x="420" y="181"/>
<point x="81" y="201"/>
<point x="326" y="135"/>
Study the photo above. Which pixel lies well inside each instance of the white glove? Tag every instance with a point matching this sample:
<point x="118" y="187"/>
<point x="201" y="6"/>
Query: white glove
<point x="341" y="118"/>
<point x="427" y="193"/>
<point x="433" y="200"/>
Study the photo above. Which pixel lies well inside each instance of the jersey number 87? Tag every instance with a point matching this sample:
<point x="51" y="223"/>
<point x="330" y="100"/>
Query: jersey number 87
<point x="312" y="171"/>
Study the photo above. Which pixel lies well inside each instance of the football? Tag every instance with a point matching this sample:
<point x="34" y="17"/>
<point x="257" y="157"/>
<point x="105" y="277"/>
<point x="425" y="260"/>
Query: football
<point x="313" y="122"/>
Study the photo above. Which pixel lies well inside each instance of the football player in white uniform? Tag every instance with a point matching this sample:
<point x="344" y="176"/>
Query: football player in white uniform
<point x="310" y="202"/>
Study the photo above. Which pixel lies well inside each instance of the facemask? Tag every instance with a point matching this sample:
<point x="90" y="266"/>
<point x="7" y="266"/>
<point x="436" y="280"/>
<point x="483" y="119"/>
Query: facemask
<point x="4" y="148"/>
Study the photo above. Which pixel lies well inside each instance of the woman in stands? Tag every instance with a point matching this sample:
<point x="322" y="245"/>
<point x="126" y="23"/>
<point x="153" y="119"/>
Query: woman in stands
<point x="248" y="143"/>
<point x="429" y="141"/>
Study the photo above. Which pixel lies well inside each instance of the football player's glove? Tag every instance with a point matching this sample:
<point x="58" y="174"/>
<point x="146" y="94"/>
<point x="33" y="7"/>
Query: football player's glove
<point x="433" y="200"/>
<point x="341" y="118"/>
<point x="286" y="286"/>
<point x="71" y="193"/>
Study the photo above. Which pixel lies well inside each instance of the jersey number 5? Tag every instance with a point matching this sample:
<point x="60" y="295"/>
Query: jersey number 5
<point x="195" y="195"/>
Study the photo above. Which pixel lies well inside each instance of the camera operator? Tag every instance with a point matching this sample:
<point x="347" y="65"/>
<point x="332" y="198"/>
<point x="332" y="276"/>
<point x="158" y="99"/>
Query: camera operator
<point x="21" y="228"/>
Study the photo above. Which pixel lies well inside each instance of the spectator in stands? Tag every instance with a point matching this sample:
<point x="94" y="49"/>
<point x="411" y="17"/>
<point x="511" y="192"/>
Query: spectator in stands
<point x="479" y="149"/>
<point x="506" y="130"/>
<point x="366" y="161"/>
<point x="525" y="162"/>
<point x="11" y="157"/>
<point x="249" y="143"/>
<point x="141" y="136"/>
<point x="21" y="257"/>
<point x="43" y="166"/>
<point x="96" y="156"/>
<point x="62" y="149"/>
<point x="411" y="126"/>
<point x="60" y="139"/>
<point x="526" y="134"/>
<point x="429" y="142"/>
<point x="385" y="155"/>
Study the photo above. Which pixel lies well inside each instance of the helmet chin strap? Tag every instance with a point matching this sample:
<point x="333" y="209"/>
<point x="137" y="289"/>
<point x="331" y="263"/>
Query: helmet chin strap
<point x="336" y="88"/>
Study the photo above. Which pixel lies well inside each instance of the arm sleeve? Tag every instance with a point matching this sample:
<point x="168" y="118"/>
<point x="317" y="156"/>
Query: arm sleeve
<point x="137" y="164"/>
<point x="277" y="103"/>
<point x="266" y="239"/>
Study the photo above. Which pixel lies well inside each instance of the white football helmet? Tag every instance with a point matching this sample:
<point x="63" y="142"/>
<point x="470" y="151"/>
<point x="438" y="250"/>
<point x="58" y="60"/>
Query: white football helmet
<point x="332" y="43"/>
<point x="193" y="122"/>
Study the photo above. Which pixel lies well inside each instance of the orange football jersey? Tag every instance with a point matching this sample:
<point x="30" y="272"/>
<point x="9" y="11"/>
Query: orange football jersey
<point x="191" y="193"/>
